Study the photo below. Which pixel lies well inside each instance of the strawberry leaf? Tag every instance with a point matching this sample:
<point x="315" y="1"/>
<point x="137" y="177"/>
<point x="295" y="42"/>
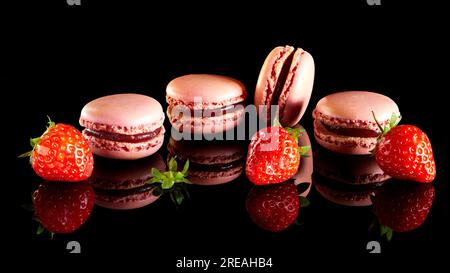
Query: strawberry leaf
<point x="186" y="167"/>
<point x="167" y="184"/>
<point x="304" y="202"/>
<point x="386" y="231"/>
<point x="295" y="132"/>
<point x="303" y="150"/>
<point x="173" y="166"/>
<point x="276" y="122"/>
<point x="40" y="229"/>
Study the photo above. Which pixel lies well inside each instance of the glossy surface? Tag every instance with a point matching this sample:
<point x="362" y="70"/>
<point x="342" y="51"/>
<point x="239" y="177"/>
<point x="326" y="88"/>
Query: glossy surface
<point x="65" y="56"/>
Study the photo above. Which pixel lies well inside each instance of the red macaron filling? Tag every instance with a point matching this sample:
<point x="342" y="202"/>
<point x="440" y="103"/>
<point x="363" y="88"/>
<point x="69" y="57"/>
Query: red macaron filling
<point x="351" y="132"/>
<point x="137" y="138"/>
<point x="218" y="167"/>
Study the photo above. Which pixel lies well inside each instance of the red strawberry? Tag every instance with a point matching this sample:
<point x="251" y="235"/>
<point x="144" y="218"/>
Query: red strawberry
<point x="275" y="207"/>
<point x="63" y="207"/>
<point x="403" y="206"/>
<point x="404" y="152"/>
<point x="273" y="155"/>
<point x="61" y="154"/>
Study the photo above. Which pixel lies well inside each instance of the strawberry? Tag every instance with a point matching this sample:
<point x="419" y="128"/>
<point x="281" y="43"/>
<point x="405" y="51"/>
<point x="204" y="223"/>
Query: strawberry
<point x="273" y="155"/>
<point x="404" y="152"/>
<point x="275" y="207"/>
<point x="61" y="154"/>
<point x="402" y="206"/>
<point x="63" y="207"/>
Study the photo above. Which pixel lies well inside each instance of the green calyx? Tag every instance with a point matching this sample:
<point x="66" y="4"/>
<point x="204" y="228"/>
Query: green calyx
<point x="169" y="178"/>
<point x="295" y="134"/>
<point x="36" y="140"/>
<point x="386" y="231"/>
<point x="393" y="121"/>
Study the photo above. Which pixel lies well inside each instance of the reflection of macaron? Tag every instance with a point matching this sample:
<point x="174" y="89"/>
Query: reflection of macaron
<point x="122" y="184"/>
<point x="343" y="122"/>
<point x="348" y="169"/>
<point x="202" y="103"/>
<point x="351" y="196"/>
<point x="286" y="79"/>
<point x="210" y="163"/>
<point x="123" y="126"/>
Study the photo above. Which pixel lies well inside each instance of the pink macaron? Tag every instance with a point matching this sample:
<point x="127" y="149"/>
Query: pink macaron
<point x="123" y="126"/>
<point x="122" y="185"/>
<point x="344" y="123"/>
<point x="202" y="103"/>
<point x="210" y="162"/>
<point x="348" y="169"/>
<point x="345" y="196"/>
<point x="286" y="80"/>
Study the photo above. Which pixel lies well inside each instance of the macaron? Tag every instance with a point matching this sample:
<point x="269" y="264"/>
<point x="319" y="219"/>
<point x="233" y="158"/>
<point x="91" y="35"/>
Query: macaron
<point x="348" y="169"/>
<point x="123" y="126"/>
<point x="286" y="80"/>
<point x="121" y="185"/>
<point x="344" y="123"/>
<point x="345" y="195"/>
<point x="210" y="162"/>
<point x="202" y="103"/>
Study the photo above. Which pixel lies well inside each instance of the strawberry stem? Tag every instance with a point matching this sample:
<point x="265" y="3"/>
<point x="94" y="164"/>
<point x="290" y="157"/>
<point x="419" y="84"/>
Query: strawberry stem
<point x="34" y="141"/>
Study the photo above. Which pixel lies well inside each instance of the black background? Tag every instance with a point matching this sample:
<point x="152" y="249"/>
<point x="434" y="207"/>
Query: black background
<point x="59" y="57"/>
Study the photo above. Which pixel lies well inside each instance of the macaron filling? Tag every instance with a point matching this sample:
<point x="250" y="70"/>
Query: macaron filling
<point x="227" y="109"/>
<point x="137" y="138"/>
<point x="276" y="93"/>
<point x="218" y="167"/>
<point x="351" y="132"/>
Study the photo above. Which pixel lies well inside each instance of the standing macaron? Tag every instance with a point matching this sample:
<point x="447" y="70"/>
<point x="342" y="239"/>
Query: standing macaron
<point x="123" y="126"/>
<point x="344" y="123"/>
<point x="202" y="103"/>
<point x="286" y="80"/>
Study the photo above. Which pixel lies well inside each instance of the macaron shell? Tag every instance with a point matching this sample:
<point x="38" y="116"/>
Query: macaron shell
<point x="127" y="202"/>
<point x="123" y="113"/>
<point x="121" y="175"/>
<point x="297" y="90"/>
<point x="124" y="150"/>
<point x="349" y="169"/>
<point x="353" y="109"/>
<point x="269" y="74"/>
<point x="206" y="178"/>
<point x="342" y="144"/>
<point x="209" y="153"/>
<point x="213" y="90"/>
<point x="343" y="197"/>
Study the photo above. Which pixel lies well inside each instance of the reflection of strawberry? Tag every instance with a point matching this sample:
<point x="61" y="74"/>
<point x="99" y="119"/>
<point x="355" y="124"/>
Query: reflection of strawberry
<point x="63" y="207"/>
<point x="404" y="152"/>
<point x="403" y="206"/>
<point x="273" y="155"/>
<point x="274" y="207"/>
<point x="61" y="154"/>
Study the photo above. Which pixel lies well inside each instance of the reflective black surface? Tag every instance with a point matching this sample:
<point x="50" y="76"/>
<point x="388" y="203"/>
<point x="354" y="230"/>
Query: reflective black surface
<point x="63" y="59"/>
